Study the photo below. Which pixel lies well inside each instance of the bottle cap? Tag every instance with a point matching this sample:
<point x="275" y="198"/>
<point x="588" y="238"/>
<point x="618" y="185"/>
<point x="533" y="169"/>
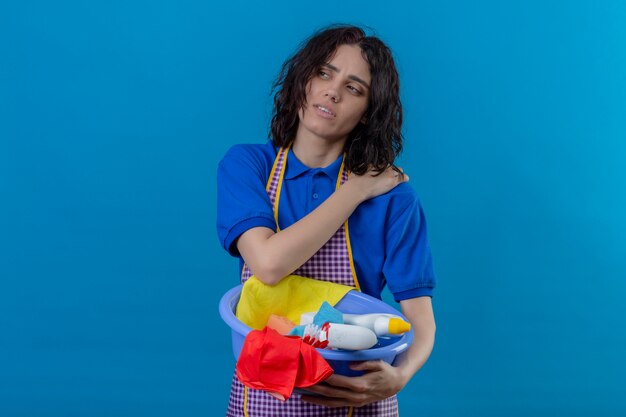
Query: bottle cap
<point x="398" y="326"/>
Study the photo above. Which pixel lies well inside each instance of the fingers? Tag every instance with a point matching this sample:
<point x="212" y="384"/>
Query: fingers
<point x="343" y="381"/>
<point x="339" y="386"/>
<point x="401" y="176"/>
<point x="367" y="366"/>
<point x="406" y="177"/>
<point x="329" y="391"/>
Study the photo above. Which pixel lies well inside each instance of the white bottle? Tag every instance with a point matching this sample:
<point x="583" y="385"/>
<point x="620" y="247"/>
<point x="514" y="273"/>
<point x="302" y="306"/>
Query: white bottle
<point x="382" y="324"/>
<point x="349" y="337"/>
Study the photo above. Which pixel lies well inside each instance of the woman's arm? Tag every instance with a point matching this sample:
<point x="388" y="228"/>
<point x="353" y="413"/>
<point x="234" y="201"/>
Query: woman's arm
<point x="419" y="311"/>
<point x="272" y="256"/>
<point x="382" y="380"/>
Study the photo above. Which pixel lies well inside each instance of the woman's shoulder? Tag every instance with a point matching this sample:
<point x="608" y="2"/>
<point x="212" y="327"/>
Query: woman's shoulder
<point x="402" y="194"/>
<point x="399" y="201"/>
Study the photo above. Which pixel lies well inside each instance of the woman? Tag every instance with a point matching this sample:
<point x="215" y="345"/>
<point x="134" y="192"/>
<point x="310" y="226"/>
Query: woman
<point x="323" y="199"/>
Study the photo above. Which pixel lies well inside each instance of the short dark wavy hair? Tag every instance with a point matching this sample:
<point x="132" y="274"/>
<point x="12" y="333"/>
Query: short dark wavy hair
<point x="375" y="144"/>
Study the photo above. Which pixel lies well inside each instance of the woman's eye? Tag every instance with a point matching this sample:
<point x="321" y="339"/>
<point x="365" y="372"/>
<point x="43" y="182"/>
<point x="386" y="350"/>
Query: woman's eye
<point x="323" y="74"/>
<point x="354" y="90"/>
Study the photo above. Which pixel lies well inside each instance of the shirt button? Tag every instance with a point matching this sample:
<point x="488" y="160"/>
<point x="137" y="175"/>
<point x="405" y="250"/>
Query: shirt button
<point x="315" y="195"/>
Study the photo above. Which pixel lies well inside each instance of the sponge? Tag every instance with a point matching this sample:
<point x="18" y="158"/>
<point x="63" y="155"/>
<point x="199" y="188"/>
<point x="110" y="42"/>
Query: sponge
<point x="281" y="324"/>
<point x="328" y="314"/>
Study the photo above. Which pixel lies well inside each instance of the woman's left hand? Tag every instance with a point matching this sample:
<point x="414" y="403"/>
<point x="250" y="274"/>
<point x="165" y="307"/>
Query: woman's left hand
<point x="381" y="381"/>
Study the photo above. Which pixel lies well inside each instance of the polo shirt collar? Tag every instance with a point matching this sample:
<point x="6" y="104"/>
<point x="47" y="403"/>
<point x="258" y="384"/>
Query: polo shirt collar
<point x="296" y="168"/>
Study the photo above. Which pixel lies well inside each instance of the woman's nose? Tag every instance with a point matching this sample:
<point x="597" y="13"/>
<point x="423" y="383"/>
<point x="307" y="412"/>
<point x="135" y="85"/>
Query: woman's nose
<point x="333" y="95"/>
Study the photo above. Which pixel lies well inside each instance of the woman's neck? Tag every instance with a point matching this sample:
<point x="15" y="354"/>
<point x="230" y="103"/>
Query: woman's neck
<point x="317" y="152"/>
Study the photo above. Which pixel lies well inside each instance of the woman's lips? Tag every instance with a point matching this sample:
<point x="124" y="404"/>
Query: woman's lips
<point x="323" y="113"/>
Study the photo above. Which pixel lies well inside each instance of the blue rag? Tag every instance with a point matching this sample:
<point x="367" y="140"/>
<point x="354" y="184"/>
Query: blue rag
<point x="327" y="314"/>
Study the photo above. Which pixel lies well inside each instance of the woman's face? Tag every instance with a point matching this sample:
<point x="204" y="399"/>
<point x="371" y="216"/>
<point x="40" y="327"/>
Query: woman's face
<point x="337" y="96"/>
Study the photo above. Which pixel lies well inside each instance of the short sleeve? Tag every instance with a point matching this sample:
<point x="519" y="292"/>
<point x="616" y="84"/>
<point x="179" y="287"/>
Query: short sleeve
<point x="242" y="202"/>
<point x="408" y="265"/>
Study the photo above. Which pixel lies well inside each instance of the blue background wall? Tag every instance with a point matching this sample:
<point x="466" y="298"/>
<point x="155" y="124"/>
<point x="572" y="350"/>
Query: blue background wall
<point x="113" y="116"/>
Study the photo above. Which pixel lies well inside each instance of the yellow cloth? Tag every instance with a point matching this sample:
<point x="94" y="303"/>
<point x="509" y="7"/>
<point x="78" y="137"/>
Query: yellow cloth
<point x="291" y="297"/>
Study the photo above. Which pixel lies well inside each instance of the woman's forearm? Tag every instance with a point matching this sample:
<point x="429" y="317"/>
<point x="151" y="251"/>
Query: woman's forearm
<point x="420" y="314"/>
<point x="287" y="250"/>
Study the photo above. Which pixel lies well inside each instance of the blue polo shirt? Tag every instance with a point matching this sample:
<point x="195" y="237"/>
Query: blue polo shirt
<point x="387" y="233"/>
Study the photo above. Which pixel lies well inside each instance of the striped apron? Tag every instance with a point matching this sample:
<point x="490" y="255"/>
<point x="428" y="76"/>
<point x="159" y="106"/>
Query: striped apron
<point x="334" y="263"/>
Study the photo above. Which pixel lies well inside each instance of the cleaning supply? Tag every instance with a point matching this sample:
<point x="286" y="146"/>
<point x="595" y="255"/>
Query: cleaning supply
<point x="386" y="350"/>
<point x="339" y="336"/>
<point x="277" y="364"/>
<point x="327" y="314"/>
<point x="291" y="297"/>
<point x="380" y="323"/>
<point x="281" y="324"/>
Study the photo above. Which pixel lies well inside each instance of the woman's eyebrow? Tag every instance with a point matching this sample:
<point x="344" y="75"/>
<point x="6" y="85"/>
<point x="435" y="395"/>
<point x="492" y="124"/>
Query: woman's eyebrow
<point x="352" y="77"/>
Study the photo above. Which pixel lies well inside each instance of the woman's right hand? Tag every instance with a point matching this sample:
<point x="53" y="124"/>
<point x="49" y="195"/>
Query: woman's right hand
<point x="368" y="185"/>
